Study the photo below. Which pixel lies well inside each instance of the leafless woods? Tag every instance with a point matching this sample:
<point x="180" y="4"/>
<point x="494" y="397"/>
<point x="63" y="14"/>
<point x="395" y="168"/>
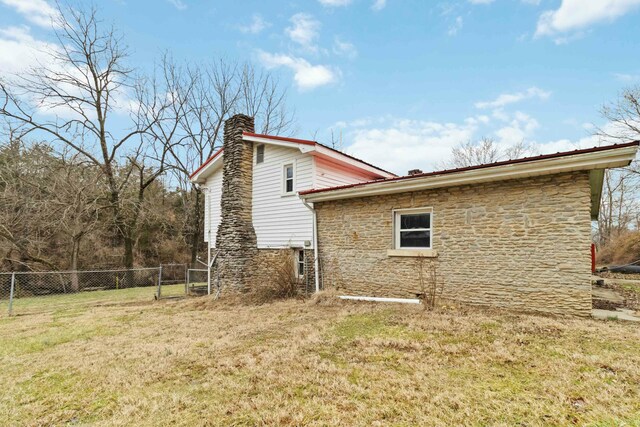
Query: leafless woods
<point x="96" y="152"/>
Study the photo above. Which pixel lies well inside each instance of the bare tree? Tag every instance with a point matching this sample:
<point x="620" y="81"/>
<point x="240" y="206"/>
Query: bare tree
<point x="620" y="203"/>
<point x="623" y="116"/>
<point x="262" y="97"/>
<point x="50" y="202"/>
<point x="78" y="98"/>
<point x="485" y="151"/>
<point x="81" y="85"/>
<point x="23" y="239"/>
<point x="209" y="95"/>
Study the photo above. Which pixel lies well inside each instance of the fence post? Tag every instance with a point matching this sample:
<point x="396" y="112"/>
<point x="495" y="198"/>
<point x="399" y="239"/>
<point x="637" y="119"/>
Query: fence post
<point x="160" y="281"/>
<point x="186" y="279"/>
<point x="13" y="285"/>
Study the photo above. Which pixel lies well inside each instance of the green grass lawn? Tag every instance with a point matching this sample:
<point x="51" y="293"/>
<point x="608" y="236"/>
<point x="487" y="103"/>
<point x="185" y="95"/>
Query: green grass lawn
<point x="128" y="360"/>
<point x="75" y="301"/>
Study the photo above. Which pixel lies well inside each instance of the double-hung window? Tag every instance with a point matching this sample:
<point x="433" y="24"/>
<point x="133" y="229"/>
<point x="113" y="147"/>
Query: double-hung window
<point x="413" y="228"/>
<point x="288" y="179"/>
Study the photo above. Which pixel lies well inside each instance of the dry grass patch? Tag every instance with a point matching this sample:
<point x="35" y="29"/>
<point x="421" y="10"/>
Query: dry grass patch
<point x="200" y="362"/>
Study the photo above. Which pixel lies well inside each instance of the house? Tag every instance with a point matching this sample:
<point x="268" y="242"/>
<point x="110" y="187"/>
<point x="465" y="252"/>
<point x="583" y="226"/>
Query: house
<point x="251" y="188"/>
<point x="513" y="234"/>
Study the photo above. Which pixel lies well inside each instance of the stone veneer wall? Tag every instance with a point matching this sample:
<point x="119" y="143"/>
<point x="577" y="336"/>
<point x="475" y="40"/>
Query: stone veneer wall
<point x="266" y="262"/>
<point x="520" y="244"/>
<point x="309" y="279"/>
<point x="236" y="237"/>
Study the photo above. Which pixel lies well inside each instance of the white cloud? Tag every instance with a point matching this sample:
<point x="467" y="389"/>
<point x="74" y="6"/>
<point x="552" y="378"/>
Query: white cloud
<point x="401" y="144"/>
<point x="306" y="75"/>
<point x="344" y="48"/>
<point x="19" y="50"/>
<point x="481" y="1"/>
<point x="335" y="3"/>
<point x="456" y="26"/>
<point x="519" y="128"/>
<point x="178" y="4"/>
<point x="304" y="31"/>
<point x="511" y="98"/>
<point x="627" y="78"/>
<point x="576" y="15"/>
<point x="378" y="4"/>
<point x="38" y="12"/>
<point x="256" y="25"/>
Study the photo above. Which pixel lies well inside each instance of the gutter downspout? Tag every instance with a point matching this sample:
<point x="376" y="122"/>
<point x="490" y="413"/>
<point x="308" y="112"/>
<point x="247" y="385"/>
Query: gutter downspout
<point x="209" y="263"/>
<point x="316" y="268"/>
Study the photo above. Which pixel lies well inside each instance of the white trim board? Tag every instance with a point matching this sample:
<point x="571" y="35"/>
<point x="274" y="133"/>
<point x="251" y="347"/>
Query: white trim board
<point x="379" y="299"/>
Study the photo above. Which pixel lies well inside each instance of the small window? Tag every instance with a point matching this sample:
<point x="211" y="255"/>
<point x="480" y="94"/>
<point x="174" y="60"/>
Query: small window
<point x="259" y="154"/>
<point x="288" y="179"/>
<point x="300" y="263"/>
<point x="413" y="229"/>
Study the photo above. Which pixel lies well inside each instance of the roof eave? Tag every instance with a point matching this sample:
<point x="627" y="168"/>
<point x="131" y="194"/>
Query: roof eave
<point x="315" y="148"/>
<point x="594" y="160"/>
<point x="203" y="172"/>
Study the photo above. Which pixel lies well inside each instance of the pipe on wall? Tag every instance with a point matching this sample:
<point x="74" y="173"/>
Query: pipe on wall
<point x="314" y="239"/>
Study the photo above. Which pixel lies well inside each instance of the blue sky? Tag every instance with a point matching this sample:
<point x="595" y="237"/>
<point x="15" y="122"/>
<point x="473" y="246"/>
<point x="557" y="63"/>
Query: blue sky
<point x="403" y="80"/>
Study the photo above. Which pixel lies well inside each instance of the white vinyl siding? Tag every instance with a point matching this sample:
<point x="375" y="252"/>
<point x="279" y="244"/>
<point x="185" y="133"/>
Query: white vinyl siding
<point x="280" y="220"/>
<point x="212" y="211"/>
<point x="330" y="174"/>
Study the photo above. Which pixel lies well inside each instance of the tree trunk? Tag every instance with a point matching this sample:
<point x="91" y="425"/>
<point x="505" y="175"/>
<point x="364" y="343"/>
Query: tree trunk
<point x="128" y="251"/>
<point x="75" y="253"/>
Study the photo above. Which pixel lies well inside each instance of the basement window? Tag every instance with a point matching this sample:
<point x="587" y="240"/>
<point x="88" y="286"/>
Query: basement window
<point x="300" y="263"/>
<point x="288" y="178"/>
<point x="413" y="228"/>
<point x="260" y="154"/>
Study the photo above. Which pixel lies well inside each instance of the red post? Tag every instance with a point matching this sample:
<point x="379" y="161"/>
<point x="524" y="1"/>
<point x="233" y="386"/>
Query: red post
<point x="593" y="258"/>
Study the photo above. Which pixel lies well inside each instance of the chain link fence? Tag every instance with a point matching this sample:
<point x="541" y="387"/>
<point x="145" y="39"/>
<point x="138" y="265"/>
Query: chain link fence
<point x="197" y="281"/>
<point x="27" y="292"/>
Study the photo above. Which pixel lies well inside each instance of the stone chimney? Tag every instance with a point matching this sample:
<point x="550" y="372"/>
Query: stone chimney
<point x="415" y="172"/>
<point x="236" y="237"/>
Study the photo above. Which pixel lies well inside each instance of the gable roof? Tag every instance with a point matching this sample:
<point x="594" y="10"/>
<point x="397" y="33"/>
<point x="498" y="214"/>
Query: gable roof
<point x="305" y="146"/>
<point x="596" y="158"/>
<point x="205" y="164"/>
<point x="310" y="142"/>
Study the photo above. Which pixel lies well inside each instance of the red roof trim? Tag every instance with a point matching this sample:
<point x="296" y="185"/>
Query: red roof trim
<point x="484" y="166"/>
<point x="309" y="142"/>
<point x="281" y="138"/>
<point x="209" y="160"/>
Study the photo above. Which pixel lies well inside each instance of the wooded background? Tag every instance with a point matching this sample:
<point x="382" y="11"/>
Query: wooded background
<point x="95" y="155"/>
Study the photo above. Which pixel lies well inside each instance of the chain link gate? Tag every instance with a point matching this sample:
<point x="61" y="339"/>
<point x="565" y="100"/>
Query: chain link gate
<point x="173" y="281"/>
<point x="197" y="281"/>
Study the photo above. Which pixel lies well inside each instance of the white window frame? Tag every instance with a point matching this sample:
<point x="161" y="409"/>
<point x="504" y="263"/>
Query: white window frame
<point x="298" y="263"/>
<point x="397" y="214"/>
<point x="284" y="179"/>
<point x="263" y="153"/>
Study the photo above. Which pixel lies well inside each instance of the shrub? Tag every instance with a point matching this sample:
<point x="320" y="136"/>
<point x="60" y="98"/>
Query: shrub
<point x="621" y="249"/>
<point x="283" y="284"/>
